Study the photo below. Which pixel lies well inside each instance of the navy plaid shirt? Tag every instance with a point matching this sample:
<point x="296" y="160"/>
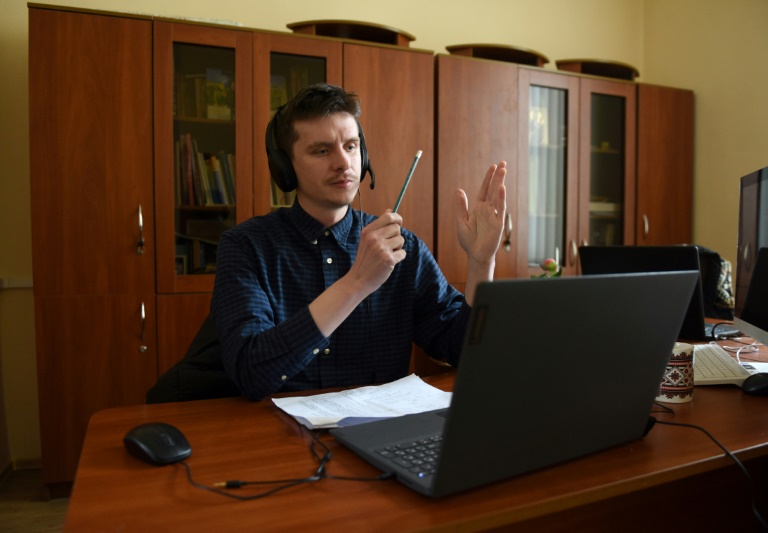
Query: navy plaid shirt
<point x="270" y="268"/>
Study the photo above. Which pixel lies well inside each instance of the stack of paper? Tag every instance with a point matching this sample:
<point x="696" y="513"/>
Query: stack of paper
<point x="336" y="409"/>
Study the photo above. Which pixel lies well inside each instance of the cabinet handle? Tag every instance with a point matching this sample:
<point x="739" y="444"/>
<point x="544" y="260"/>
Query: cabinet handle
<point x="645" y="225"/>
<point x="143" y="347"/>
<point x="574" y="252"/>
<point x="140" y="247"/>
<point x="508" y="234"/>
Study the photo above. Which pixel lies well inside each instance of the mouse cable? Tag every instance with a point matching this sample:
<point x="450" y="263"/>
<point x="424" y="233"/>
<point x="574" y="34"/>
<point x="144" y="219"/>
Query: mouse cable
<point x="284" y="483"/>
<point x="235" y="484"/>
<point x="736" y="460"/>
<point x="382" y="477"/>
<point x="319" y="474"/>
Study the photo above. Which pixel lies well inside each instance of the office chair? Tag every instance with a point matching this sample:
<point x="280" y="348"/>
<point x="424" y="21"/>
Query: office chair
<point x="199" y="375"/>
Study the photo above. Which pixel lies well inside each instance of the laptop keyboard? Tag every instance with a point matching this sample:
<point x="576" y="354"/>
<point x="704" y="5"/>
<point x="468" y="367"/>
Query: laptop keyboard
<point x="419" y="456"/>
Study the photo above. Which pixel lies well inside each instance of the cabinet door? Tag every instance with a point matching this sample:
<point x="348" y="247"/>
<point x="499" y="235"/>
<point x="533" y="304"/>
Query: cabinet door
<point x="396" y="89"/>
<point x="203" y="160"/>
<point x="179" y="317"/>
<point x="664" y="165"/>
<point x="92" y="230"/>
<point x="607" y="163"/>
<point x="547" y="193"/>
<point x="282" y="65"/>
<point x="90" y="90"/>
<point x="477" y="114"/>
<point x="93" y="352"/>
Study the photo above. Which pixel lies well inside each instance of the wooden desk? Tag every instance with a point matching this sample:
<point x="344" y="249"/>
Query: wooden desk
<point x="675" y="478"/>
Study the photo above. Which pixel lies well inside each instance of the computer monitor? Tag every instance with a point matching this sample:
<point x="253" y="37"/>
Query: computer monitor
<point x="753" y="316"/>
<point x="753" y="229"/>
<point x="752" y="259"/>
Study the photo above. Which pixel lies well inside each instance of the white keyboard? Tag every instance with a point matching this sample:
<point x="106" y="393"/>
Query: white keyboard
<point x="712" y="365"/>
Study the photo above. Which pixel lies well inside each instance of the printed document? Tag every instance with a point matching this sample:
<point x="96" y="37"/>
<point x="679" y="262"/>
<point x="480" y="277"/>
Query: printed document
<point x="336" y="409"/>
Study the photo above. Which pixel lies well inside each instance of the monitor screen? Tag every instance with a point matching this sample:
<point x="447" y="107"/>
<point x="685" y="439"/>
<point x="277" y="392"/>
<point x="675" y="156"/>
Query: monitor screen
<point x="753" y="229"/>
<point x="753" y="317"/>
<point x="753" y="236"/>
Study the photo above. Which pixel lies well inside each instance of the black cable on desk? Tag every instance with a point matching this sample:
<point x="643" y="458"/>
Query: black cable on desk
<point x="735" y="459"/>
<point x="319" y="474"/>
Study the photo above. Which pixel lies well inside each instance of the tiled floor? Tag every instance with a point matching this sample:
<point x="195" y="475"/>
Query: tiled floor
<point x="23" y="507"/>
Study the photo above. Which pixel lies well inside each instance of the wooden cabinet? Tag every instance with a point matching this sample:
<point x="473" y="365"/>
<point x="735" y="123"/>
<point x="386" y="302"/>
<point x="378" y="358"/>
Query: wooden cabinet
<point x="129" y="119"/>
<point x="476" y="125"/>
<point x="665" y="165"/>
<point x="93" y="261"/>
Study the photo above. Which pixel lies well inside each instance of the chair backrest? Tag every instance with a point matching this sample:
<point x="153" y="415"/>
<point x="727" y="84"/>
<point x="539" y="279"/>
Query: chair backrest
<point x="716" y="284"/>
<point x="200" y="375"/>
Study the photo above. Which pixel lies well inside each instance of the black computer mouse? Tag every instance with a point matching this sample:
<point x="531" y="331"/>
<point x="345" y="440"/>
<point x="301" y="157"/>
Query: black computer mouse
<point x="756" y="384"/>
<point x="157" y="443"/>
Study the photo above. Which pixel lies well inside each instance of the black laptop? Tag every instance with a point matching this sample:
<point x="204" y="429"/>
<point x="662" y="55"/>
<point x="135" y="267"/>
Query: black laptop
<point x="629" y="259"/>
<point x="538" y="384"/>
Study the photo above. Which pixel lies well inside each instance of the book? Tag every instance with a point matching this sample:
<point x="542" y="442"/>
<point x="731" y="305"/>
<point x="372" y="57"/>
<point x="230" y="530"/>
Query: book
<point x="227" y="168"/>
<point x="190" y="96"/>
<point x="222" y="197"/>
<point x="219" y="94"/>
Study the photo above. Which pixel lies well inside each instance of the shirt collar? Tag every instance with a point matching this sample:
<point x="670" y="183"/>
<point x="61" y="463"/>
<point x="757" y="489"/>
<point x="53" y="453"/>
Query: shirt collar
<point x="312" y="230"/>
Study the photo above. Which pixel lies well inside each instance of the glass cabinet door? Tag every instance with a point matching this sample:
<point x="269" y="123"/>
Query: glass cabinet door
<point x="548" y="171"/>
<point x="202" y="139"/>
<point x="283" y="65"/>
<point x="204" y="148"/>
<point x="288" y="74"/>
<point x="607" y="164"/>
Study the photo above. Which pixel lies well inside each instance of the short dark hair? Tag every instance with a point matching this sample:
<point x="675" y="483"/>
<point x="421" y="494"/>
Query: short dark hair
<point x="315" y="101"/>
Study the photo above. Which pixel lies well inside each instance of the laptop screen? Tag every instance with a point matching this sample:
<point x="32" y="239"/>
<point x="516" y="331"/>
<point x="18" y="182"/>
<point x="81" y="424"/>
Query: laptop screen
<point x="636" y="259"/>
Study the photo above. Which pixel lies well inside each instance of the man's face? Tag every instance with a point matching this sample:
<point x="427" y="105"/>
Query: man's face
<point x="326" y="158"/>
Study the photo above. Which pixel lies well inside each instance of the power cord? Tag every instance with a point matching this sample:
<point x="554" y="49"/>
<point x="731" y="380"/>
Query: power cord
<point x="739" y="464"/>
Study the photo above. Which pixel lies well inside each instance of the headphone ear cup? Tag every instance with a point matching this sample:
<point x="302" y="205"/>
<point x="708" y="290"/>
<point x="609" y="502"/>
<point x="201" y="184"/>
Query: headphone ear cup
<point x="280" y="166"/>
<point x="365" y="163"/>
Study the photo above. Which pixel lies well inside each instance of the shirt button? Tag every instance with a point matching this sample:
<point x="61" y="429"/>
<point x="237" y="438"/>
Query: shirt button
<point x="327" y="233"/>
<point x="329" y="260"/>
<point x="314" y="242"/>
<point x="327" y="351"/>
<point x="283" y="377"/>
<point x="316" y="351"/>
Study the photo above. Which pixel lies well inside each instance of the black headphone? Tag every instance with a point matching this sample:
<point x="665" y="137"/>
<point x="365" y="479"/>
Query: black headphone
<point x="280" y="165"/>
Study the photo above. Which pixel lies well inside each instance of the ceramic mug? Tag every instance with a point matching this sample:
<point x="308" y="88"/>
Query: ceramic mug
<point x="677" y="383"/>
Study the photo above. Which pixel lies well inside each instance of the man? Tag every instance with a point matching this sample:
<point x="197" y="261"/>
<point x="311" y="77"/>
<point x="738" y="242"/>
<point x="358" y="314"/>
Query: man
<point x="319" y="295"/>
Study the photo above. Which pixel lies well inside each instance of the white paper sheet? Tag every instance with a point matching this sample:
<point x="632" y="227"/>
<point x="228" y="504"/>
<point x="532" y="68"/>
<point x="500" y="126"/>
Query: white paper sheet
<point x="404" y="396"/>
